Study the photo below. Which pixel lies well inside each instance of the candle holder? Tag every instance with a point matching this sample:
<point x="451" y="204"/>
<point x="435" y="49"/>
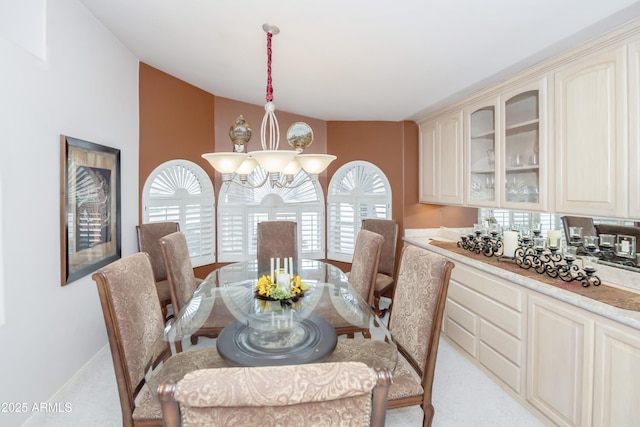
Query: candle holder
<point x="533" y="254"/>
<point x="488" y="245"/>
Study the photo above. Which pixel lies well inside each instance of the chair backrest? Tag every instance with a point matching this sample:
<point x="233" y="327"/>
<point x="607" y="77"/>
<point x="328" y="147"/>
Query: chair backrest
<point x="588" y="228"/>
<point x="388" y="229"/>
<point x="134" y="321"/>
<point x="276" y="239"/>
<point x="182" y="281"/>
<point x="148" y="241"/>
<point x="418" y="306"/>
<point x="364" y="267"/>
<point x="311" y="394"/>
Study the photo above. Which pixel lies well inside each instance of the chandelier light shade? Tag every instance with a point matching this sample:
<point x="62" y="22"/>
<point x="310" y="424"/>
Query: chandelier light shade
<point x="272" y="160"/>
<point x="315" y="163"/>
<point x="225" y="163"/>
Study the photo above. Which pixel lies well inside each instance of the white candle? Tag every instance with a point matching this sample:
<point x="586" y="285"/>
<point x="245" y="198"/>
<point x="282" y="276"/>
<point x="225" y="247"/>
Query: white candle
<point x="286" y="266"/>
<point x="277" y="266"/>
<point x="291" y="265"/>
<point x="554" y="238"/>
<point x="273" y="273"/>
<point x="510" y="242"/>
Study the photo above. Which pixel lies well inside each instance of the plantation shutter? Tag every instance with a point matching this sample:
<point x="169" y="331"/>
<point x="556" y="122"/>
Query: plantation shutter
<point x="357" y="190"/>
<point x="181" y="191"/>
<point x="241" y="207"/>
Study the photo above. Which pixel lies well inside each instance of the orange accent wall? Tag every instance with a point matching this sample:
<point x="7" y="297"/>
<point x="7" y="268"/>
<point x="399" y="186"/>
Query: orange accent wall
<point x="176" y="122"/>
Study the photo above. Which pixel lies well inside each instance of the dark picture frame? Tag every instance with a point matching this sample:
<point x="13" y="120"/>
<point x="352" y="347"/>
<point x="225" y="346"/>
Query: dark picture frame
<point x="89" y="207"/>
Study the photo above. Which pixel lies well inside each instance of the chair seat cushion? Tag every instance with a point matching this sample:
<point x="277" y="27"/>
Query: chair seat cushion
<point x="406" y="383"/>
<point x="147" y="407"/>
<point x="383" y="282"/>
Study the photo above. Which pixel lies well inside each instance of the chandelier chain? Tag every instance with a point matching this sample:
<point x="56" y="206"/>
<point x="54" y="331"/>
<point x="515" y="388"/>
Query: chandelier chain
<point x="269" y="81"/>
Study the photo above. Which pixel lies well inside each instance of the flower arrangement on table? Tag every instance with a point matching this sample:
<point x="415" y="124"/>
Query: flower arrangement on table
<point x="280" y="285"/>
<point x="281" y="290"/>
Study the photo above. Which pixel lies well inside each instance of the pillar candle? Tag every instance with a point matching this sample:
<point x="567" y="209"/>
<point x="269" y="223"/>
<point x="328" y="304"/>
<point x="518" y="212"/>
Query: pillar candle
<point x="510" y="243"/>
<point x="291" y="265"/>
<point x="273" y="273"/>
<point x="286" y="265"/>
<point x="554" y="238"/>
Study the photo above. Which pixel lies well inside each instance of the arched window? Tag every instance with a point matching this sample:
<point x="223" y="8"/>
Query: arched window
<point x="357" y="190"/>
<point x="241" y="208"/>
<point x="181" y="191"/>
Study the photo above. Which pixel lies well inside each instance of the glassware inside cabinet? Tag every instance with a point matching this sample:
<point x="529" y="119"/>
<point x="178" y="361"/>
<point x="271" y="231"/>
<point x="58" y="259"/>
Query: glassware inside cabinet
<point x="521" y="142"/>
<point x="482" y="151"/>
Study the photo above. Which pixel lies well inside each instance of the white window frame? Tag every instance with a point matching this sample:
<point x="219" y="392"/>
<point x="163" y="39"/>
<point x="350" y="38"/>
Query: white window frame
<point x="357" y="190"/>
<point x="241" y="207"/>
<point x="181" y="191"/>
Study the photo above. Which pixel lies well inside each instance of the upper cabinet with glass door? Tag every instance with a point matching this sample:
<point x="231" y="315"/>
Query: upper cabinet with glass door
<point x="523" y="152"/>
<point x="480" y="151"/>
<point x="505" y="148"/>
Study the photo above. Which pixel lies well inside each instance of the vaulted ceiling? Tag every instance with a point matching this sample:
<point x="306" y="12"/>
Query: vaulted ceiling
<point x="353" y="59"/>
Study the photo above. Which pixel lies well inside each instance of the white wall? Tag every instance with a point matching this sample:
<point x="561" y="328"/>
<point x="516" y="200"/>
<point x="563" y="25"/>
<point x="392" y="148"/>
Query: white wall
<point x="85" y="85"/>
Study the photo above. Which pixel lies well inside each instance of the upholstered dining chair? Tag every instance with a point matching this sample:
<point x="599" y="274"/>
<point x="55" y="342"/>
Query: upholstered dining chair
<point x="182" y="281"/>
<point x="134" y="320"/>
<point x="588" y="227"/>
<point x="327" y="394"/>
<point x="415" y="320"/>
<point x="148" y="241"/>
<point x="364" y="267"/>
<point x="388" y="229"/>
<point x="276" y="239"/>
<point x="183" y="284"/>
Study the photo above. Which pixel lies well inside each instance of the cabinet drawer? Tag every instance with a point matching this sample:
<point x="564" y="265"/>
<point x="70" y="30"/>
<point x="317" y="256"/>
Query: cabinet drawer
<point x="506" y="345"/>
<point x="501" y="316"/>
<point x="462" y="316"/>
<point x="491" y="286"/>
<point x="462" y="337"/>
<point x="500" y="367"/>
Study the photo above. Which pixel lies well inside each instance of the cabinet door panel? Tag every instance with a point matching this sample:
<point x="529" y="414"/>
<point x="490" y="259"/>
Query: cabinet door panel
<point x="590" y="138"/>
<point x="634" y="130"/>
<point x="450" y="162"/>
<point x="428" y="163"/>
<point x="560" y="345"/>
<point x="617" y="377"/>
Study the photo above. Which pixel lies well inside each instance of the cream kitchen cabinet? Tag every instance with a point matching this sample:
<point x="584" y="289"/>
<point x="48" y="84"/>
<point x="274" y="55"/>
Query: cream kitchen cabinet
<point x="634" y="130"/>
<point x="484" y="317"/>
<point x="590" y="138"/>
<point x="441" y="176"/>
<point x="617" y="370"/>
<point x="560" y="361"/>
<point x="506" y="148"/>
<point x="569" y="360"/>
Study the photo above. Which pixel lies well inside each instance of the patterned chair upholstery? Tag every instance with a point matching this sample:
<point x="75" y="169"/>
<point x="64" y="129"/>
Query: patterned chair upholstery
<point x="148" y="241"/>
<point x="364" y="267"/>
<point x="276" y="239"/>
<point x="134" y="320"/>
<point x="183" y="283"/>
<point x="388" y="229"/>
<point x="318" y="394"/>
<point x="414" y="322"/>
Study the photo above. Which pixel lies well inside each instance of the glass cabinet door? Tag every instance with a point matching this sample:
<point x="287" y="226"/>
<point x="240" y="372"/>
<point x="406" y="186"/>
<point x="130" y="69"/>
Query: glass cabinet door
<point x="521" y="156"/>
<point x="482" y="154"/>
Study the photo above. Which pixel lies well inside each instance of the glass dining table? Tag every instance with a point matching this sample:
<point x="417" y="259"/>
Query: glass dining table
<point x="228" y="323"/>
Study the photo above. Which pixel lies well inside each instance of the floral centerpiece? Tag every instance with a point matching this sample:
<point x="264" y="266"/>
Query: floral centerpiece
<point x="289" y="289"/>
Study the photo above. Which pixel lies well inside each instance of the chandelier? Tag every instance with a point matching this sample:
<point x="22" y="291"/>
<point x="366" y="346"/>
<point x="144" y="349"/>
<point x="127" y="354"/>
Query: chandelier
<point x="275" y="162"/>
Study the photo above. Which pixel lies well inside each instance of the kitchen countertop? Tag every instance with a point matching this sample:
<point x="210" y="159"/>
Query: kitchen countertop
<point x="423" y="237"/>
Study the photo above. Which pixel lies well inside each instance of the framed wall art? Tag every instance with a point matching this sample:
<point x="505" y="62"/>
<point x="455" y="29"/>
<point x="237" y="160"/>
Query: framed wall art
<point x="89" y="207"/>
